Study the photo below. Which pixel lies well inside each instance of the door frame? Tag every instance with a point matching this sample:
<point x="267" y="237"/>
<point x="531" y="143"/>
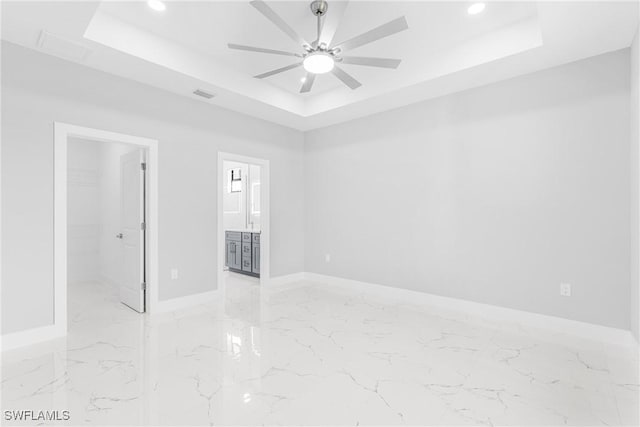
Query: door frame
<point x="62" y="132"/>
<point x="265" y="215"/>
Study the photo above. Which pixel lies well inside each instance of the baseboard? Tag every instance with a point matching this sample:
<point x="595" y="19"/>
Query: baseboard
<point x="540" y="321"/>
<point x="185" y="302"/>
<point x="30" y="336"/>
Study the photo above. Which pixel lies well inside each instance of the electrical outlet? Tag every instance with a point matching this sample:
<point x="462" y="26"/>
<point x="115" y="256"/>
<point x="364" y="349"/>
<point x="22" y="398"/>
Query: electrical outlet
<point x="327" y="257"/>
<point x="174" y="273"/>
<point x="565" y="289"/>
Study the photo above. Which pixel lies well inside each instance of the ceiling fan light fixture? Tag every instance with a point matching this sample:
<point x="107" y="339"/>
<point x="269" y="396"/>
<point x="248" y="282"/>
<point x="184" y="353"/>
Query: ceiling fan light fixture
<point x="318" y="62"/>
<point x="320" y="57"/>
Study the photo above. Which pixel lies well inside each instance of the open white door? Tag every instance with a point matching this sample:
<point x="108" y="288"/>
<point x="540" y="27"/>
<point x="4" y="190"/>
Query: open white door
<point x="132" y="287"/>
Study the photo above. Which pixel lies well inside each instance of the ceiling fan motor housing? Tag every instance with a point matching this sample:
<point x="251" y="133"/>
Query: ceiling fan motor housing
<point x="319" y="7"/>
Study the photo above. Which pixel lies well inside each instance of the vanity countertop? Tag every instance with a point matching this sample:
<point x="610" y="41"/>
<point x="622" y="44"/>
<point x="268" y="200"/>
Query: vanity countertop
<point x="238" y="230"/>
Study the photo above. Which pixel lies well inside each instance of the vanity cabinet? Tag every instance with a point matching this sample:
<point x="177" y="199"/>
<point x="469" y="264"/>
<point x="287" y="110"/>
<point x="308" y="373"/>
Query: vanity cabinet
<point x="243" y="252"/>
<point x="233" y="245"/>
<point x="255" y="264"/>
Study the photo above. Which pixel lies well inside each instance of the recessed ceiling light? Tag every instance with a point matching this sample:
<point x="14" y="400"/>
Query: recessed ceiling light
<point x="476" y="8"/>
<point x="318" y="62"/>
<point x="156" y="5"/>
<point x="302" y="80"/>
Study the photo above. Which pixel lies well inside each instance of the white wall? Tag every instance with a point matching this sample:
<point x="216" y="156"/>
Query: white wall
<point x="84" y="213"/>
<point x="635" y="186"/>
<point x="38" y="89"/>
<point x="254" y="190"/>
<point x="496" y="194"/>
<point x="234" y="204"/>
<point x="242" y="209"/>
<point x="111" y="249"/>
<point x="94" y="187"/>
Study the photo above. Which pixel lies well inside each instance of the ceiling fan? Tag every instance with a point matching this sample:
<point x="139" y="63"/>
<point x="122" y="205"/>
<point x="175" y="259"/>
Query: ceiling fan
<point x="321" y="55"/>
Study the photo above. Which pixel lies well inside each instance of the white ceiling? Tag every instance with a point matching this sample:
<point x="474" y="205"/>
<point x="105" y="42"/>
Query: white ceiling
<point x="206" y="28"/>
<point x="445" y="49"/>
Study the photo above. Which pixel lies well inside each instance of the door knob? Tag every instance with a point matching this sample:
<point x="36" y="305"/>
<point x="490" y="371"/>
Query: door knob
<point x="119" y="236"/>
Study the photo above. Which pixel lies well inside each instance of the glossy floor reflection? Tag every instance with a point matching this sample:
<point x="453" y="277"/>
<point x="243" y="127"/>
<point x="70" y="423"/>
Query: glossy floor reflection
<point x="311" y="353"/>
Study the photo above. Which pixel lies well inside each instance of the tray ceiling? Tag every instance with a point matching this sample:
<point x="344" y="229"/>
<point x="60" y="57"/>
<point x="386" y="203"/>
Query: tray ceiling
<point x="445" y="49"/>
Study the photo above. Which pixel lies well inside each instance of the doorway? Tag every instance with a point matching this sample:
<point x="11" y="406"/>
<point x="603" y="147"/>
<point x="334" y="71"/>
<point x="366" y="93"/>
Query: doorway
<point x="243" y="220"/>
<point x="105" y="224"/>
<point x="105" y="234"/>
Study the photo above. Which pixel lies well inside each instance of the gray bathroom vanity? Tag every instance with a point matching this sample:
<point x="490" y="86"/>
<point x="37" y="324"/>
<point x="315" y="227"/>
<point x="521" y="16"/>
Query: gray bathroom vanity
<point x="242" y="252"/>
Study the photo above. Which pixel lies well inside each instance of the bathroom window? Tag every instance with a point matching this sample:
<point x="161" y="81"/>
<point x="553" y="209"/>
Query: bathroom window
<point x="235" y="181"/>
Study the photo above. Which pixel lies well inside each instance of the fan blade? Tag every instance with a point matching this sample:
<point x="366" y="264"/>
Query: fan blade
<point x="306" y="87"/>
<point x="371" y="62"/>
<point x="279" y="70"/>
<point x="261" y="50"/>
<point x="331" y="21"/>
<point x="377" y="33"/>
<point x="263" y="8"/>
<point x="346" y="78"/>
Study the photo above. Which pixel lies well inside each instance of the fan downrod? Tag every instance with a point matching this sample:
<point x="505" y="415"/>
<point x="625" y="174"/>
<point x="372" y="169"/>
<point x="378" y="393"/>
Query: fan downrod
<point x="319" y="7"/>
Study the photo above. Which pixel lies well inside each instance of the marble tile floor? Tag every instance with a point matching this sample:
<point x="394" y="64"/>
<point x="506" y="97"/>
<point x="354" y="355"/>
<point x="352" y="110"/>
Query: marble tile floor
<point x="311" y="353"/>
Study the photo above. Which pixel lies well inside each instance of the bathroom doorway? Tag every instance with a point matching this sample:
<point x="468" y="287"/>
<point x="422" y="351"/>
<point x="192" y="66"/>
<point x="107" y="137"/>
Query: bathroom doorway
<point x="243" y="218"/>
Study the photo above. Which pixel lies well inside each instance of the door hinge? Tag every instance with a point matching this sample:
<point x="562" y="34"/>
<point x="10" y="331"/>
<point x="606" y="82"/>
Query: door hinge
<point x="143" y="286"/>
<point x="143" y="226"/>
<point x="143" y="166"/>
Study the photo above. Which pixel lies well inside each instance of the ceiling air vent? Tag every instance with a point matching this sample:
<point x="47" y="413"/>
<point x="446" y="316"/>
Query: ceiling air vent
<point x="62" y="47"/>
<point x="203" y="94"/>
